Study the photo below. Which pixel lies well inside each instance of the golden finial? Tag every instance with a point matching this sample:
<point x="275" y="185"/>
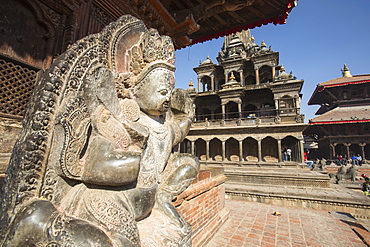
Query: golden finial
<point x="191" y="83"/>
<point x="232" y="77"/>
<point x="263" y="44"/>
<point x="252" y="38"/>
<point x="282" y="69"/>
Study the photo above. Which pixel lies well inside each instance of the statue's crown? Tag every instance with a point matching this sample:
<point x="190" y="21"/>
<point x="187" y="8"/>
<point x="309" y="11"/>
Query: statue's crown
<point x="152" y="51"/>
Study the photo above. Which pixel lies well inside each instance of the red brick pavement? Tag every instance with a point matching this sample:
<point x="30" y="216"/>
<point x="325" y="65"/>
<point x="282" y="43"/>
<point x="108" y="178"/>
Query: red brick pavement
<point x="253" y="224"/>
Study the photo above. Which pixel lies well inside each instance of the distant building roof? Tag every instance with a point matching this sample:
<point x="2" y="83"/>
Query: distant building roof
<point x="318" y="96"/>
<point x="343" y="81"/>
<point x="344" y="114"/>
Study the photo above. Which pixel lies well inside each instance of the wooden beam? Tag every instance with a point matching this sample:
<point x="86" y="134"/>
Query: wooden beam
<point x="219" y="18"/>
<point x="179" y="4"/>
<point x="256" y="12"/>
<point x="275" y="4"/>
<point x="236" y="16"/>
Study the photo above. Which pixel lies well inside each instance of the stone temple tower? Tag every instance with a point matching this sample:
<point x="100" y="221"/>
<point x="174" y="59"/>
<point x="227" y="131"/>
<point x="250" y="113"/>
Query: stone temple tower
<point x="247" y="116"/>
<point x="247" y="106"/>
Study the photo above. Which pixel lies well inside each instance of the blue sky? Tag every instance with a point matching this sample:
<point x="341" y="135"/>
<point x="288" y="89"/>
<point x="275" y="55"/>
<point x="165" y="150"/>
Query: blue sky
<point x="318" y="38"/>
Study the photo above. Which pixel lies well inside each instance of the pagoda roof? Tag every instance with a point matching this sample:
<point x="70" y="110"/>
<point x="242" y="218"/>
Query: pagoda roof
<point x="317" y="96"/>
<point x="343" y="115"/>
<point x="344" y="81"/>
<point x="195" y="21"/>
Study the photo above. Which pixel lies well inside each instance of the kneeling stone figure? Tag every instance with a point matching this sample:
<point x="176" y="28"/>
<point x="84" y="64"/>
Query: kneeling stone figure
<point x="94" y="164"/>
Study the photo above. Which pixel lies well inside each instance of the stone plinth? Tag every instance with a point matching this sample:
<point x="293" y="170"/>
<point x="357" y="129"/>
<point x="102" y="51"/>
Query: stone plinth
<point x="203" y="204"/>
<point x="274" y="177"/>
<point x="336" y="198"/>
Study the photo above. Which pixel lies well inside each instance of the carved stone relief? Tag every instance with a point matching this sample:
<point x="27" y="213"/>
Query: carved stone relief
<point x="94" y="165"/>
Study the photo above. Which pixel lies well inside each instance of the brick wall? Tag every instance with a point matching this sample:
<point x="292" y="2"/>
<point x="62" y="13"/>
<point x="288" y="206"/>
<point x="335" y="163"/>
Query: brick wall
<point x="203" y="204"/>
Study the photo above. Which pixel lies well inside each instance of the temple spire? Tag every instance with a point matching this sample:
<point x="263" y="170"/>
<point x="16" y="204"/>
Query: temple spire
<point x="345" y="71"/>
<point x="191" y="83"/>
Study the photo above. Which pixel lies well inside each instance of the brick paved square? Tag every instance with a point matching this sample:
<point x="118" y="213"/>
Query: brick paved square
<point x="253" y="224"/>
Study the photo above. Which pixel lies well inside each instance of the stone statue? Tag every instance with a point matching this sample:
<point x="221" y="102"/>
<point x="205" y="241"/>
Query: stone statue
<point x="319" y="165"/>
<point x="344" y="174"/>
<point x="94" y="164"/>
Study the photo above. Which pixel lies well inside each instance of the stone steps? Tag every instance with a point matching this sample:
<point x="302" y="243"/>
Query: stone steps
<point x="336" y="198"/>
<point x="282" y="178"/>
<point x="294" y="185"/>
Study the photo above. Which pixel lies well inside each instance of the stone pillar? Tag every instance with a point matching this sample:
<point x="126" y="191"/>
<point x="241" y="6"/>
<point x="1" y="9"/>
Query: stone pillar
<point x="241" y="151"/>
<point x="223" y="111"/>
<point x="347" y="147"/>
<point x="301" y="156"/>
<point x="207" y="150"/>
<point x="199" y="82"/>
<point x="241" y="78"/>
<point x="223" y="151"/>
<point x="273" y="73"/>
<point x="259" y="151"/>
<point x="257" y="76"/>
<point x="362" y="145"/>
<point x="212" y="83"/>
<point x="279" y="151"/>
<point x="297" y="105"/>
<point x="226" y="78"/>
<point x="277" y="107"/>
<point x="332" y="150"/>
<point x="240" y="110"/>
<point x="192" y="148"/>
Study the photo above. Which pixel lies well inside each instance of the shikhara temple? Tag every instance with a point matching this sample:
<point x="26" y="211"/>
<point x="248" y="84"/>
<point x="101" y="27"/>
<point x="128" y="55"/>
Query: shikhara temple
<point x="343" y="124"/>
<point x="247" y="107"/>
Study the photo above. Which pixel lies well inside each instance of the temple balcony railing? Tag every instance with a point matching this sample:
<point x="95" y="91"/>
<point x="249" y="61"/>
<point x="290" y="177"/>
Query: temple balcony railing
<point x="266" y="117"/>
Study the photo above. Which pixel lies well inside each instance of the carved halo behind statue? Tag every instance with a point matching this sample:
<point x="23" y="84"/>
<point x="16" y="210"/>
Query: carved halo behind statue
<point x="93" y="165"/>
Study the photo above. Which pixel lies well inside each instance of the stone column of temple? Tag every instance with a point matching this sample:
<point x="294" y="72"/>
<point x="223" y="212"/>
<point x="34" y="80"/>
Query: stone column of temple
<point x="241" y="78"/>
<point x="199" y="82"/>
<point x="347" y="147"/>
<point x="297" y="106"/>
<point x="223" y="111"/>
<point x="212" y="83"/>
<point x="207" y="150"/>
<point x="279" y="150"/>
<point x="362" y="145"/>
<point x="273" y="73"/>
<point x="226" y="78"/>
<point x="301" y="156"/>
<point x="332" y="150"/>
<point x="192" y="148"/>
<point x="257" y="76"/>
<point x="223" y="151"/>
<point x="240" y="150"/>
<point x="277" y="107"/>
<point x="240" y="110"/>
<point x="259" y="151"/>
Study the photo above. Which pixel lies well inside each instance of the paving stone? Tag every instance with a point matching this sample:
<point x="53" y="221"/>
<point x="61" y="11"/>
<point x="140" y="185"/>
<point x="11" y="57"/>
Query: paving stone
<point x="253" y="224"/>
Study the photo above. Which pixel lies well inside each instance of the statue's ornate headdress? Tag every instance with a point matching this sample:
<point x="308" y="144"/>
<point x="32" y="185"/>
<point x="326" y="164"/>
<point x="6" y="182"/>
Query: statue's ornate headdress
<point x="152" y="51"/>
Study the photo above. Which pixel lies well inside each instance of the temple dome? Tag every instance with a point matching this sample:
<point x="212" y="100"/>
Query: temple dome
<point x="207" y="61"/>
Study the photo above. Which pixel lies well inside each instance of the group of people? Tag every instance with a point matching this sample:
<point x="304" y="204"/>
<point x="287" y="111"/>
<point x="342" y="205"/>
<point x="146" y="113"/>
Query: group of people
<point x="343" y="160"/>
<point x="356" y="160"/>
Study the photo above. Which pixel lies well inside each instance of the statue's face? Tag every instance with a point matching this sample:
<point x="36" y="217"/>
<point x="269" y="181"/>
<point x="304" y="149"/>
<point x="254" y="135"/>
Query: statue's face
<point x="154" y="96"/>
